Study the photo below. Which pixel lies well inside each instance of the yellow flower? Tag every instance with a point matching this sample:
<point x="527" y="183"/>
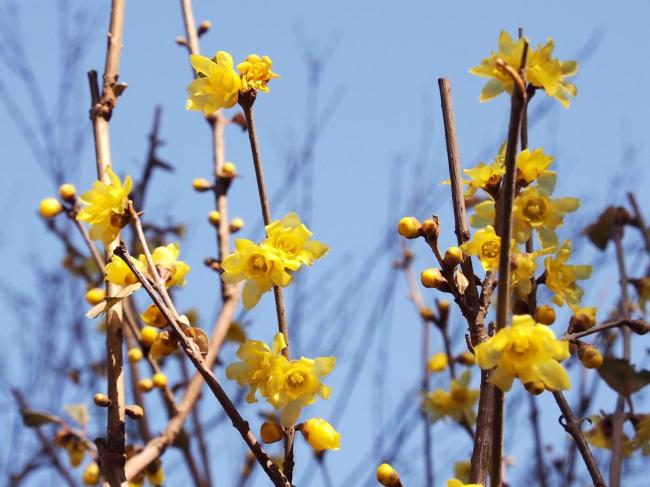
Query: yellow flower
<point x="156" y="477"/>
<point x="292" y="239"/>
<point x="561" y="278"/>
<point x="256" y="73"/>
<point x="437" y="363"/>
<point x="260" y="266"/>
<point x="458" y="483"/>
<point x="388" y="476"/>
<point x="153" y="317"/>
<point x="641" y="440"/>
<point x="600" y="436"/>
<point x="49" y="207"/>
<point x="542" y="71"/>
<point x="217" y="85"/>
<point x="119" y="273"/>
<point x="166" y="258"/>
<point x="527" y="350"/>
<point x="105" y="206"/>
<point x="321" y="435"/>
<point x="486" y="245"/>
<point x="643" y="290"/>
<point x="532" y="165"/>
<point x="457" y="403"/>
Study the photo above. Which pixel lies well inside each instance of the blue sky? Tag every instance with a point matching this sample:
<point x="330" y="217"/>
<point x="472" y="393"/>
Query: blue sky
<point x="382" y="62"/>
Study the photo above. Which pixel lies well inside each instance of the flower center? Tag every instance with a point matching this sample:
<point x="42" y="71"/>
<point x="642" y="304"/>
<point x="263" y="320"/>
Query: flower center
<point x="490" y="249"/>
<point x="520" y="345"/>
<point x="295" y="380"/>
<point x="257" y="265"/>
<point x="535" y="209"/>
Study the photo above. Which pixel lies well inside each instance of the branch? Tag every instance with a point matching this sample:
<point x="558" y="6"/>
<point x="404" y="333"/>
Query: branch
<point x="640" y="327"/>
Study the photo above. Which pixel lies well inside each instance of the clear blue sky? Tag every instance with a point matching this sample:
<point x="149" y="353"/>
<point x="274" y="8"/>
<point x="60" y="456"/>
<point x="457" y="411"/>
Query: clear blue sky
<point x="383" y="59"/>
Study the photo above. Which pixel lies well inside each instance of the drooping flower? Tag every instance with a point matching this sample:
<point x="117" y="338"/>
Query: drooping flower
<point x="486" y="245"/>
<point x="117" y="272"/>
<point x="561" y="278"/>
<point x="105" y="207"/>
<point x="522" y="272"/>
<point x="153" y="317"/>
<point x="216" y="87"/>
<point x="166" y="259"/>
<point x="321" y="435"/>
<point x="457" y="403"/>
<point x="256" y="73"/>
<point x="261" y="266"/>
<point x="526" y="350"/>
<point x="292" y="239"/>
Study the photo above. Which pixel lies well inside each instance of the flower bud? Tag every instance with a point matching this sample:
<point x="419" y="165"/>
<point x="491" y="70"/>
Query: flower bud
<point x="145" y="385"/>
<point x="443" y="309"/>
<point x="582" y="319"/>
<point x="545" y="315"/>
<point x="134" y="355"/>
<point x="321" y="435"/>
<point x="49" y="207"/>
<point x="201" y="185"/>
<point x="433" y="278"/>
<point x="431" y="229"/>
<point x="437" y="363"/>
<point x="236" y="224"/>
<point x="590" y="357"/>
<point x="204" y="26"/>
<point x="165" y="344"/>
<point x="213" y="217"/>
<point x="427" y="314"/>
<point x="535" y="388"/>
<point x="153" y="317"/>
<point x="67" y="192"/>
<point x="453" y="257"/>
<point x="91" y="474"/>
<point x="95" y="295"/>
<point x="409" y="227"/>
<point x="159" y="380"/>
<point x="156" y="477"/>
<point x="76" y="451"/>
<point x="235" y="333"/>
<point x="388" y="476"/>
<point x="148" y="335"/>
<point x="466" y="358"/>
<point x="101" y="400"/>
<point x="229" y="170"/>
<point x="134" y="411"/>
<point x="271" y="432"/>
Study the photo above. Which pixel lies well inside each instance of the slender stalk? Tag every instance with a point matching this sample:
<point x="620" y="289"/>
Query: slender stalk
<point x="639" y="327"/>
<point x="640" y="221"/>
<point x="539" y="449"/>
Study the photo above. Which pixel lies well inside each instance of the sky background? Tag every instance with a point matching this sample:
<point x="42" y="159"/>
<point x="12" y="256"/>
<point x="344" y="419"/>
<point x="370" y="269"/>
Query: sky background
<point x="383" y="138"/>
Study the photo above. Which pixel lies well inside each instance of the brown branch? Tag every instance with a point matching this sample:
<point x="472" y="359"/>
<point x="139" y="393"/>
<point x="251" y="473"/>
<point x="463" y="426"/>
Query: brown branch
<point x="539" y="448"/>
<point x="640" y="221"/>
<point x="640" y="327"/>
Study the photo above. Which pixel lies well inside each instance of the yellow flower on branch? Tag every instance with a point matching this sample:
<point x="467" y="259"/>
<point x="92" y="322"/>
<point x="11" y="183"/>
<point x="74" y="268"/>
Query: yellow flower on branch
<point x="321" y="435"/>
<point x="292" y="239"/>
<point x="486" y="245"/>
<point x="561" y="278"/>
<point x="261" y="266"/>
<point x="105" y="207"/>
<point x="166" y="259"/>
<point x="457" y="403"/>
<point x="437" y="363"/>
<point x="217" y="85"/>
<point x="531" y="165"/>
<point x="117" y="272"/>
<point x="256" y="73"/>
<point x="458" y="483"/>
<point x="526" y="350"/>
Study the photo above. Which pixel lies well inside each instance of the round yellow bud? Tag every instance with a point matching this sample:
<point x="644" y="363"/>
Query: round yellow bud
<point x="229" y="170"/>
<point x="321" y="435"/>
<point x="590" y="357"/>
<point x="213" y="217"/>
<point x="101" y="400"/>
<point x="453" y="257"/>
<point x="95" y="295"/>
<point x="388" y="476"/>
<point x="427" y="314"/>
<point x="432" y="278"/>
<point x="91" y="474"/>
<point x="466" y="358"/>
<point x="437" y="363"/>
<point x="582" y="319"/>
<point x="236" y="224"/>
<point x="67" y="192"/>
<point x="49" y="207"/>
<point x="201" y="185"/>
<point x="159" y="380"/>
<point x="134" y="355"/>
<point x="545" y="315"/>
<point x="409" y="227"/>
<point x="145" y="385"/>
<point x="534" y="388"/>
<point x="148" y="335"/>
<point x="271" y="432"/>
<point x="134" y="411"/>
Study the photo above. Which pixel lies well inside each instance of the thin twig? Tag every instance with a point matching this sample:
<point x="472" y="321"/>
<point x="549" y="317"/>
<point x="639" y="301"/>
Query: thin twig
<point x="639" y="327"/>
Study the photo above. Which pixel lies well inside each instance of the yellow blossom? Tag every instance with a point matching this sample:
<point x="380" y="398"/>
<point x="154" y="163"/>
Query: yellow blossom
<point x="527" y="350"/>
<point x="388" y="476"/>
<point x="532" y="165"/>
<point x="261" y="266"/>
<point x="166" y="258"/>
<point x="105" y="206"/>
<point x="486" y="245"/>
<point x="321" y="435"/>
<point x="153" y="317"/>
<point x="119" y="273"/>
<point x="217" y="85"/>
<point x="256" y="73"/>
<point x="523" y="268"/>
<point x="561" y="278"/>
<point x="641" y="440"/>
<point x="457" y="403"/>
<point x="91" y="474"/>
<point x="600" y="436"/>
<point x="437" y="363"/>
<point x="49" y="207"/>
<point x="292" y="239"/>
<point x="458" y="483"/>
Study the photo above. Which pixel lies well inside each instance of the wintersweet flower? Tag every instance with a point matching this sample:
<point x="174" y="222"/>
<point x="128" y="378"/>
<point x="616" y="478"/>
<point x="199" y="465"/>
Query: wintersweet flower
<point x="542" y="71"/>
<point x="292" y="239"/>
<point x="641" y="440"/>
<point x="166" y="259"/>
<point x="261" y="266"/>
<point x="457" y="403"/>
<point x="561" y="278"/>
<point x="531" y="165"/>
<point x="526" y="350"/>
<point x="600" y="436"/>
<point x="523" y="266"/>
<point x="117" y="272"/>
<point x="217" y="85"/>
<point x="153" y="317"/>
<point x="486" y="245"/>
<point x="484" y="176"/>
<point x="105" y="207"/>
<point x="321" y="435"/>
<point x="256" y="73"/>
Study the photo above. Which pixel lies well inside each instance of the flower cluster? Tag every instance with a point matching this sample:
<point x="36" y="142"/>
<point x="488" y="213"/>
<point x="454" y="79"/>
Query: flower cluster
<point x="457" y="403"/>
<point x="287" y="385"/>
<point x="218" y="85"/>
<point x="287" y="247"/>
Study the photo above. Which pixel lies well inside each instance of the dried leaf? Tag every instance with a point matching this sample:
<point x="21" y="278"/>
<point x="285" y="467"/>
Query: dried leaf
<point x="200" y="337"/>
<point x="78" y="412"/>
<point x="111" y="301"/>
<point x="602" y="230"/>
<point x="621" y="376"/>
<point x="34" y="419"/>
<point x="461" y="281"/>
